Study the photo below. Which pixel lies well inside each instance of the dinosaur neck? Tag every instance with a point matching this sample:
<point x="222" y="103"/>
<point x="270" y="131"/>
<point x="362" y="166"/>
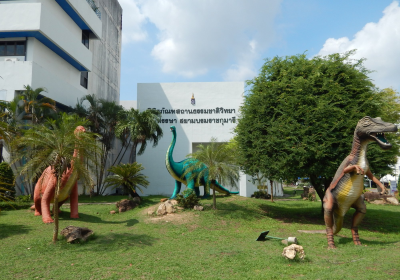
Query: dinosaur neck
<point x="359" y="149"/>
<point x="169" y="160"/>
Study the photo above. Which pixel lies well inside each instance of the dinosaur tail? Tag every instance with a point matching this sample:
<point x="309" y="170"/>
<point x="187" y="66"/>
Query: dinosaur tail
<point x="337" y="222"/>
<point x="221" y="189"/>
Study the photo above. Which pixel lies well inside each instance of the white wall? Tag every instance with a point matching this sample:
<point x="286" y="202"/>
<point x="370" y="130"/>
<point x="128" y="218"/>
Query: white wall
<point x="166" y="96"/>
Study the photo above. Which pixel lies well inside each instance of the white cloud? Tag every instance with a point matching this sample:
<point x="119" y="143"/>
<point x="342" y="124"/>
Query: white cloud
<point x="198" y="35"/>
<point x="133" y="20"/>
<point x="379" y="43"/>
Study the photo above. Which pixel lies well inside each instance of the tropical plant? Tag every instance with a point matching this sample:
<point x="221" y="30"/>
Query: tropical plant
<point x="103" y="116"/>
<point x="215" y="161"/>
<point x="53" y="144"/>
<point x="129" y="177"/>
<point x="7" y="179"/>
<point x="142" y="127"/>
<point x="188" y="199"/>
<point x="36" y="108"/>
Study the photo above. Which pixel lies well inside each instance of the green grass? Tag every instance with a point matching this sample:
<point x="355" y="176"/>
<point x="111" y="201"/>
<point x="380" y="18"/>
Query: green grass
<point x="200" y="245"/>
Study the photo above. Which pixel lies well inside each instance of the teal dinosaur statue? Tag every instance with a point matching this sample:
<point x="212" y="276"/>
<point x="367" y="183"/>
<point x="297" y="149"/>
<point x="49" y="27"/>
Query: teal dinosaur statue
<point x="177" y="169"/>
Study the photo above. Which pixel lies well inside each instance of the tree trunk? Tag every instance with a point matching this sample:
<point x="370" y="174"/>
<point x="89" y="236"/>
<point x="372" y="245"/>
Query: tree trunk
<point x="320" y="189"/>
<point x="214" y="197"/>
<point x="1" y="151"/>
<point x="55" y="210"/>
<point x="132" y="156"/>
<point x="271" y="182"/>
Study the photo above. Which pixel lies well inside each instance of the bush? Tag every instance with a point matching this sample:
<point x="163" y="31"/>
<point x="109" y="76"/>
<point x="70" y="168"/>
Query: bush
<point x="261" y="194"/>
<point x="7" y="179"/>
<point x="188" y="200"/>
<point x="23" y="198"/>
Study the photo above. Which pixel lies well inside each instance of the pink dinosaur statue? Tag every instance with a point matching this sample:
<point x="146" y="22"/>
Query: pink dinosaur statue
<point x="45" y="188"/>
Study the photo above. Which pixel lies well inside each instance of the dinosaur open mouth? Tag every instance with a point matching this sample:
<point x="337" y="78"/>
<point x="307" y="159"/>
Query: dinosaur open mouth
<point x="380" y="138"/>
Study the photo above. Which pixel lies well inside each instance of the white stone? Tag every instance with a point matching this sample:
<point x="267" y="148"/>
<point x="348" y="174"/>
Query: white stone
<point x="291" y="251"/>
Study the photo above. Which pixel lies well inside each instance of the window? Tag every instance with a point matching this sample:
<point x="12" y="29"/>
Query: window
<point x="16" y="48"/>
<point x="84" y="79"/>
<point x="85" y="38"/>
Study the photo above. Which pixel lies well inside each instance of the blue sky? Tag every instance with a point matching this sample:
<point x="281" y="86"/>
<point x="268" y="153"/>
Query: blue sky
<point x="228" y="40"/>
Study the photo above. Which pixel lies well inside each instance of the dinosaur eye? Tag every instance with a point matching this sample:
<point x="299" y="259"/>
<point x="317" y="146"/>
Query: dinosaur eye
<point x="366" y="122"/>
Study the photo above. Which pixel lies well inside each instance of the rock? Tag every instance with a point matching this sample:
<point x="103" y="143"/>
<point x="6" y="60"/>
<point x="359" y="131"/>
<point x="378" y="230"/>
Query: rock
<point x="173" y="202"/>
<point x="169" y="208"/>
<point x="112" y="212"/>
<point x="291" y="251"/>
<point x="137" y="200"/>
<point x="125" y="205"/>
<point x="377" y="202"/>
<point x="163" y="199"/>
<point x="198" y="208"/>
<point x="161" y="209"/>
<point x="73" y="233"/>
<point x="392" y="200"/>
<point x="305" y="198"/>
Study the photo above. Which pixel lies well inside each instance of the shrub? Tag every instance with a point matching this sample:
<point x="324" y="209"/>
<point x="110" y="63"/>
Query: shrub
<point x="188" y="200"/>
<point x="7" y="179"/>
<point x="261" y="194"/>
<point x="23" y="198"/>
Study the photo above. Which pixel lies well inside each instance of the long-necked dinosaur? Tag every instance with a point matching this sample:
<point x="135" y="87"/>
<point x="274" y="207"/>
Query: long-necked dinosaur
<point x="347" y="186"/>
<point x="177" y="169"/>
<point x="45" y="187"/>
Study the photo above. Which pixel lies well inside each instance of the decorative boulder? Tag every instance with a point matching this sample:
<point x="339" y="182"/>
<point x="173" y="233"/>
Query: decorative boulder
<point x="125" y="205"/>
<point x="73" y="233"/>
<point x="291" y="251"/>
<point x="198" y="208"/>
<point x="166" y="208"/>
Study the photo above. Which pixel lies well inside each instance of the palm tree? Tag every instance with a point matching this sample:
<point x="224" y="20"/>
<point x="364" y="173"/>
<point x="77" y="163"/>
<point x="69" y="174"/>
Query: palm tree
<point x="53" y="144"/>
<point x="129" y="177"/>
<point x="103" y="116"/>
<point x="219" y="158"/>
<point x="36" y="108"/>
<point x="142" y="127"/>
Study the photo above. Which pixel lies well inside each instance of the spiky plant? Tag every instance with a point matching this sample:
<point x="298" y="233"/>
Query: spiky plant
<point x="129" y="177"/>
<point x="220" y="162"/>
<point x="54" y="144"/>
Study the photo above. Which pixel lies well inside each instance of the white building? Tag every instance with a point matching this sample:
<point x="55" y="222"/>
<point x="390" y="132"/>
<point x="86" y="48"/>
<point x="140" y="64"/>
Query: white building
<point x="55" y="44"/>
<point x="213" y="114"/>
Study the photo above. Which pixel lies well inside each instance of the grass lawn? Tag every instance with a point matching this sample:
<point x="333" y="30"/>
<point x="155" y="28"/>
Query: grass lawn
<point x="200" y="245"/>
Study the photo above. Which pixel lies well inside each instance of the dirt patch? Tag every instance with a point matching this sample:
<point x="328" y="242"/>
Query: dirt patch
<point x="178" y="218"/>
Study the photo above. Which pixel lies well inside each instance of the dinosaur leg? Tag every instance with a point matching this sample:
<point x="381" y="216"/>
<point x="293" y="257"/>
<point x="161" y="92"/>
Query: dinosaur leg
<point x="197" y="191"/>
<point x="73" y="200"/>
<point x="206" y="189"/>
<point x="176" y="190"/>
<point x="328" y="216"/>
<point x="361" y="210"/>
<point x="48" y="195"/>
<point x="37" y="197"/>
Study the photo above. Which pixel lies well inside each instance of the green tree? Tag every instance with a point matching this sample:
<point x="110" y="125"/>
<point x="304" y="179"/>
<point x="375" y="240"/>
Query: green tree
<point x="103" y="116"/>
<point x="53" y="144"/>
<point x="217" y="162"/>
<point x="7" y="179"/>
<point x="36" y="108"/>
<point x="142" y="127"/>
<point x="299" y="117"/>
<point x="129" y="177"/>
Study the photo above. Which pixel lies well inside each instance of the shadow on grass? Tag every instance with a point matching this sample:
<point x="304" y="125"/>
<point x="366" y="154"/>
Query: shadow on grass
<point x="95" y="219"/>
<point x="9" y="230"/>
<point x="114" y="241"/>
<point x="376" y="220"/>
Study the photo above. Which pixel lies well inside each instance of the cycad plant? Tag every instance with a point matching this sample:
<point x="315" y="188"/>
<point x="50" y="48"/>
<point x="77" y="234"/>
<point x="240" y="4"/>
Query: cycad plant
<point x="129" y="177"/>
<point x="60" y="145"/>
<point x="219" y="158"/>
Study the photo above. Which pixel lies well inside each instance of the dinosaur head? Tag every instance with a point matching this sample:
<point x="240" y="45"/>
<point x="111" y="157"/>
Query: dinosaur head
<point x="173" y="129"/>
<point x="374" y="129"/>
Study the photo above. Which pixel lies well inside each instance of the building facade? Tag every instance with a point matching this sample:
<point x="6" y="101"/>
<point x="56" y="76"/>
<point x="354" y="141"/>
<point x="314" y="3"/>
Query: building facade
<point x="199" y="111"/>
<point x="61" y="45"/>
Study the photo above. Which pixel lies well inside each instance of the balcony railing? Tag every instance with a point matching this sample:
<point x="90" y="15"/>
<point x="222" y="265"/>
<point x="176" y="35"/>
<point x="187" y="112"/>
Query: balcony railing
<point x="95" y="8"/>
